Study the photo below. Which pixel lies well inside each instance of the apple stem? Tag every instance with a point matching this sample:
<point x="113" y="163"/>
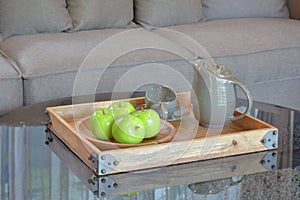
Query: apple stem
<point x="103" y="112"/>
<point x="143" y="109"/>
<point x="137" y="127"/>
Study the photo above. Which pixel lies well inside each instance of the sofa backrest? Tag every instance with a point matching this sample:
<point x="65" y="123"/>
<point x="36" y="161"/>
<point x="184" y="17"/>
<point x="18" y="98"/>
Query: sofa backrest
<point x="41" y="16"/>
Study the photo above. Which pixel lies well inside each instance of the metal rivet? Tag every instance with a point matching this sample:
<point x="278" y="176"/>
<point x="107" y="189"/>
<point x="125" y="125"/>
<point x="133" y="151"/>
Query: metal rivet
<point x="103" y="171"/>
<point x="90" y="157"/>
<point x="274" y="154"/>
<point x="274" y="132"/>
<point x="234" y="142"/>
<point x="103" y="157"/>
<point x="233" y="168"/>
<point x="116" y="163"/>
<point x="262" y="161"/>
<point x="274" y="145"/>
<point x="103" y="180"/>
<point x="273" y="167"/>
<point x="263" y="141"/>
<point x="116" y="185"/>
<point x="103" y="194"/>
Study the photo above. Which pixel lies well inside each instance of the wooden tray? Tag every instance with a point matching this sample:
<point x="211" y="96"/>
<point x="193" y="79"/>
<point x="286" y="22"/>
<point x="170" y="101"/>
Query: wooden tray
<point x="190" y="143"/>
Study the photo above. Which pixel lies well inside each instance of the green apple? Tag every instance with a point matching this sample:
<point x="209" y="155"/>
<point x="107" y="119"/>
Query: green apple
<point x="132" y="194"/>
<point x="151" y="121"/>
<point x="128" y="129"/>
<point x="121" y="108"/>
<point x="101" y="123"/>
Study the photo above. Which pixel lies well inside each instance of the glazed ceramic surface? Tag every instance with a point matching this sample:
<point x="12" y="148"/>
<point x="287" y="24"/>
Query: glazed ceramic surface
<point x="214" y="94"/>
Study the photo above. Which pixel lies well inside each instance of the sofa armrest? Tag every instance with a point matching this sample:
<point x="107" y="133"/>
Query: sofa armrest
<point x="294" y="8"/>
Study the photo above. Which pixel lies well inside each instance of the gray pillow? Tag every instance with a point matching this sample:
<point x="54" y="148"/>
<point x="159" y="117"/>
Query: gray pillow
<point x="221" y="9"/>
<point x="158" y="13"/>
<point x="98" y="14"/>
<point x="33" y="16"/>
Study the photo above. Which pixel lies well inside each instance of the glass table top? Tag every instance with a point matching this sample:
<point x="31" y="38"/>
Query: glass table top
<point x="32" y="169"/>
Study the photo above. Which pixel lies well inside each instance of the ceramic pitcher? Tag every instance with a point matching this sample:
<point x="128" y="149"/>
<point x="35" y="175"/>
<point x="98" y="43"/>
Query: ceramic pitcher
<point x="214" y="95"/>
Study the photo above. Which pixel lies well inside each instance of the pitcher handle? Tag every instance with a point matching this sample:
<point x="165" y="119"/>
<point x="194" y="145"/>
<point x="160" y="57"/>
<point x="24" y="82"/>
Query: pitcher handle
<point x="249" y="99"/>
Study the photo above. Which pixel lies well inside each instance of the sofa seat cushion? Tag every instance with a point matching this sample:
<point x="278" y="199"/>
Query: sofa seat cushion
<point x="53" y="53"/>
<point x="262" y="53"/>
<point x="242" y="36"/>
<point x="35" y="53"/>
<point x="11" y="88"/>
<point x="256" y="50"/>
<point x="43" y="54"/>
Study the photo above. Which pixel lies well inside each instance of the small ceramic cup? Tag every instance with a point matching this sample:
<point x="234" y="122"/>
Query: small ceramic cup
<point x="162" y="99"/>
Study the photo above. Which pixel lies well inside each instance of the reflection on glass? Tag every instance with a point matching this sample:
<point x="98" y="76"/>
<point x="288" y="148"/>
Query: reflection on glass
<point x="31" y="170"/>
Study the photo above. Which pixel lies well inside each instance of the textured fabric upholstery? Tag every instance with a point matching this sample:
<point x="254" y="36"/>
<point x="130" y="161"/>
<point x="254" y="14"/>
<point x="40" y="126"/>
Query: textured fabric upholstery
<point x="34" y="53"/>
<point x="33" y="16"/>
<point x="158" y="13"/>
<point x="222" y="9"/>
<point x="101" y="14"/>
<point x="11" y="88"/>
<point x="258" y="51"/>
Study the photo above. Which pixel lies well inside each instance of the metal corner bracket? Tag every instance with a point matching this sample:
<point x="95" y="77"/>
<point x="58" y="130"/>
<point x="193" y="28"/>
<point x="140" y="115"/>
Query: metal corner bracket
<point x="102" y="186"/>
<point x="103" y="164"/>
<point x="269" y="161"/>
<point x="48" y="132"/>
<point x="107" y="186"/>
<point x="270" y="139"/>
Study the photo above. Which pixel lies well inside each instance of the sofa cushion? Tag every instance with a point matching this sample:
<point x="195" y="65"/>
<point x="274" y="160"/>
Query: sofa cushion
<point x="34" y="53"/>
<point x="101" y="13"/>
<point x="11" y="88"/>
<point x="221" y="9"/>
<point x="243" y="36"/>
<point x="158" y="13"/>
<point x="33" y="16"/>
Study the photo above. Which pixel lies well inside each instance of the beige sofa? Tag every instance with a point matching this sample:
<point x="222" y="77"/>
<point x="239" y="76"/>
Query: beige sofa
<point x="41" y="62"/>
